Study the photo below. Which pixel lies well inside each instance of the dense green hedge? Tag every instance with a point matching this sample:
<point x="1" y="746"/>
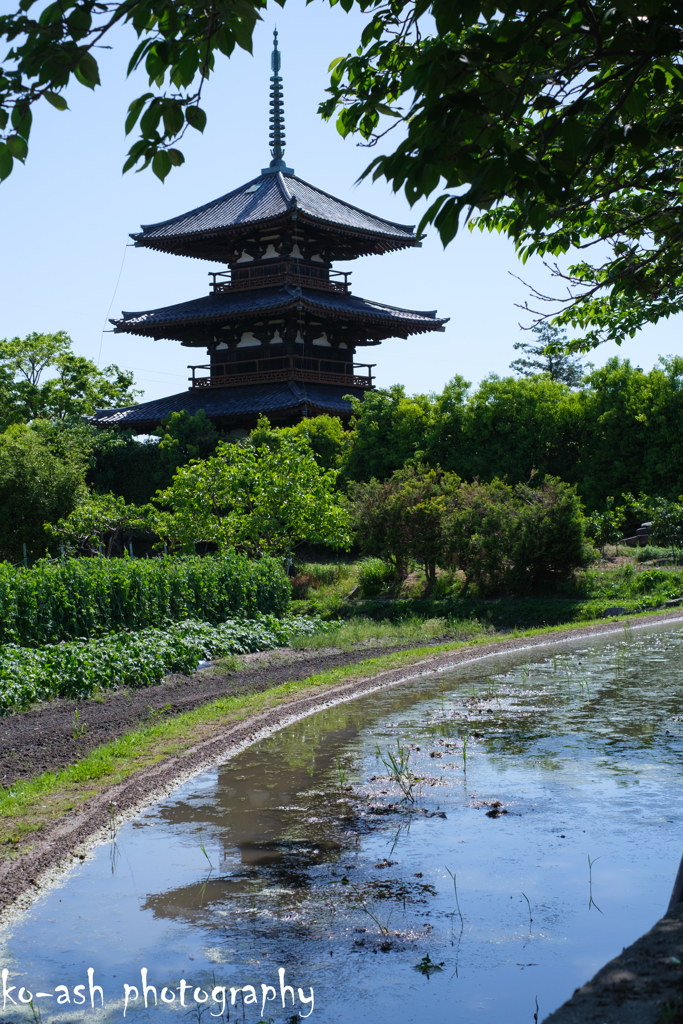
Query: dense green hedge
<point x="77" y="668"/>
<point x="81" y="598"/>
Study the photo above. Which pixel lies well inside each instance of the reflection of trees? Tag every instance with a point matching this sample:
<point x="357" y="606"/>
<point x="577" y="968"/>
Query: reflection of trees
<point x="272" y="828"/>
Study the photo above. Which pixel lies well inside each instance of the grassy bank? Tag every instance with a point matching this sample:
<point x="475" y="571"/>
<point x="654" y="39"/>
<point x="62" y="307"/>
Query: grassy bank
<point x="29" y="806"/>
<point x="349" y="590"/>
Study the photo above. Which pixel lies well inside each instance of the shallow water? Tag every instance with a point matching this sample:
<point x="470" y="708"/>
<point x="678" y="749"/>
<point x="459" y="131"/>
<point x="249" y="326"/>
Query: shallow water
<point x="272" y="862"/>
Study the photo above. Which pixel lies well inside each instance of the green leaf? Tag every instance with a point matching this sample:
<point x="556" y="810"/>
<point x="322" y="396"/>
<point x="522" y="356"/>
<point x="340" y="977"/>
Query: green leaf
<point x="173" y="118"/>
<point x="176" y="157"/>
<point x="22" y="119"/>
<point x="6" y="161"/>
<point x="243" y="29"/>
<point x="150" y="118"/>
<point x="161" y="164"/>
<point x="196" y="117"/>
<point x="56" y="100"/>
<point x="135" y="109"/>
<point x="17" y="147"/>
<point x="87" y="72"/>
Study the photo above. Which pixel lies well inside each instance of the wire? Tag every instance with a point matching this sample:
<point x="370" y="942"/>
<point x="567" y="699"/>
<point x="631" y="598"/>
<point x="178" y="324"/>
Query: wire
<point x="111" y="303"/>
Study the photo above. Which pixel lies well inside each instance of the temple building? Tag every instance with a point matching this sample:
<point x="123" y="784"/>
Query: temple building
<point x="280" y="326"/>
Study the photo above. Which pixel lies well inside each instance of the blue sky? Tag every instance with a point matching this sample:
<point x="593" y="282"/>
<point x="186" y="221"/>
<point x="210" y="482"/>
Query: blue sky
<point x="67" y="215"/>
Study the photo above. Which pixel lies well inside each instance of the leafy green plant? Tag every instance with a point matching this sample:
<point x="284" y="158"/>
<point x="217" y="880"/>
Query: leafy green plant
<point x="375" y="576"/>
<point x="77" y="598"/>
<point x="75" y="669"/>
<point x="426" y="966"/>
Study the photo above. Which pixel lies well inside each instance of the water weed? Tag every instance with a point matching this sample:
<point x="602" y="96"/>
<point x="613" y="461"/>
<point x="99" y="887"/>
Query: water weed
<point x="396" y="765"/>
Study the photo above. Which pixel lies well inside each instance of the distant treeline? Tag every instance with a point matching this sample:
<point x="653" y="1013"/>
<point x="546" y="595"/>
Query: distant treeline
<point x="621" y="430"/>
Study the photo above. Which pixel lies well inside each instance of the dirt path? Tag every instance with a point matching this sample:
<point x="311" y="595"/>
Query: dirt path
<point x="59" y="733"/>
<point x="24" y="877"/>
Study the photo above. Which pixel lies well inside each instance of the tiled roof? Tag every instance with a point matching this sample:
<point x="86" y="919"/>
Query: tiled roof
<point x="267" y="198"/>
<point x="228" y="405"/>
<point x="236" y="305"/>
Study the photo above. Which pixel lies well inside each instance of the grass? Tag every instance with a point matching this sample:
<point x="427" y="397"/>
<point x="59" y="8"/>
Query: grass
<point x="409" y="615"/>
<point x="28" y="806"/>
<point x="412" y="630"/>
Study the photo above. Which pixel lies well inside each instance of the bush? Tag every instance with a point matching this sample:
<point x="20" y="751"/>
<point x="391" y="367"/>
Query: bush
<point x="504" y="538"/>
<point x="78" y="668"/>
<point x="375" y="576"/>
<point x="518" y="539"/>
<point x="80" y="598"/>
<point x="651" y="553"/>
<point x="323" y="573"/>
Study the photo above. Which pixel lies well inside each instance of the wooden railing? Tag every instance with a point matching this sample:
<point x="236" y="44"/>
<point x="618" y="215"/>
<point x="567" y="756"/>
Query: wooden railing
<point x="282" y="368"/>
<point x="264" y="276"/>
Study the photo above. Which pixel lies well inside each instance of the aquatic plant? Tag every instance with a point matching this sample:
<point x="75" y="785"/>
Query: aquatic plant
<point x="342" y="775"/>
<point x="529" y="906"/>
<point x="426" y="967"/>
<point x="203" y="848"/>
<point x="591" y="901"/>
<point x="455" y="889"/>
<point x="396" y="765"/>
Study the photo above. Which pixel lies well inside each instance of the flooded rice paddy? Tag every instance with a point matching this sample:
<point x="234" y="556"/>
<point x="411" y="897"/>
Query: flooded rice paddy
<point x="470" y="846"/>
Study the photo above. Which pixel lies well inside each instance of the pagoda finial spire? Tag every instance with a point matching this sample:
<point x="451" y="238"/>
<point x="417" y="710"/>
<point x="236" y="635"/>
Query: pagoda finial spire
<point x="277" y="115"/>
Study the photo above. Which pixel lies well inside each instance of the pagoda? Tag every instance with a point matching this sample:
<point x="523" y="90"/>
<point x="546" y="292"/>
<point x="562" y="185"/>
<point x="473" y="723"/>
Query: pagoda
<point x="280" y="326"/>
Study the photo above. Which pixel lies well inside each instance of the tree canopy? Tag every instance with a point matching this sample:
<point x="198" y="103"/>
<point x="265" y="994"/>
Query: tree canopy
<point x="76" y="388"/>
<point x="558" y="124"/>
<point x="177" y="45"/>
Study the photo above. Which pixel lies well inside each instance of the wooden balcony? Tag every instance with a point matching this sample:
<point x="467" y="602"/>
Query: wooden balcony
<point x="276" y="274"/>
<point x="282" y="368"/>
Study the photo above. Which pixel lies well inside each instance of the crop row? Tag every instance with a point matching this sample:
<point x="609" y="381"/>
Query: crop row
<point x="78" y="668"/>
<point x="85" y="597"/>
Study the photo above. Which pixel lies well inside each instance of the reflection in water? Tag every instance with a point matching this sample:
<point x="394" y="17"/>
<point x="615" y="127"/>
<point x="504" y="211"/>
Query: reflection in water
<point x="542" y="838"/>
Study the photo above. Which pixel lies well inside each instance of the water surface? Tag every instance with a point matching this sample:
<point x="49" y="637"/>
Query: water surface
<point x="301" y="853"/>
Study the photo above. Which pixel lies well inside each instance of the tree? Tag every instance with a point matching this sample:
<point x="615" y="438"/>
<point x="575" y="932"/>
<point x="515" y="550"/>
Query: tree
<point x="326" y="435"/>
<point x="405" y="517"/>
<point x="253" y="499"/>
<point x="28" y="357"/>
<point x="184" y="437"/>
<point x="548" y="355"/>
<point x="558" y="124"/>
<point x="390" y="427"/>
<point x="667" y="523"/>
<point x="96" y="524"/>
<point x="77" y="387"/>
<point x="36" y="486"/>
<point x="178" y="45"/>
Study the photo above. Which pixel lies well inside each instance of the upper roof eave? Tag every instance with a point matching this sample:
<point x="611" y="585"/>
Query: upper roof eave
<point x="378" y="228"/>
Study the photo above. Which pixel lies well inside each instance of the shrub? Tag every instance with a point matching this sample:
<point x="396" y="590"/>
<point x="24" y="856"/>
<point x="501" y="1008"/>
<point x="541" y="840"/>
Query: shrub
<point x="652" y="553"/>
<point x="518" y="539"/>
<point x="56" y="601"/>
<point x="324" y="573"/>
<point x="375" y="576"/>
